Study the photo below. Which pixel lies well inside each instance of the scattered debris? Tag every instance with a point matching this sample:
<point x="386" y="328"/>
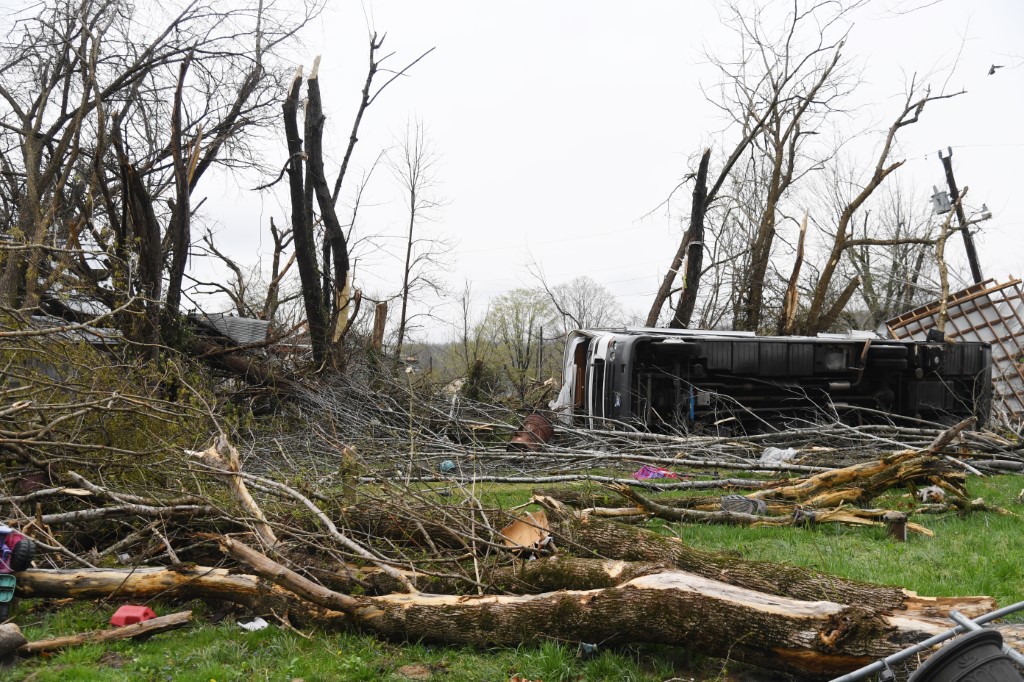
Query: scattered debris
<point x="647" y="472"/>
<point x="772" y="455"/>
<point x="536" y="432"/>
<point x="530" y="532"/>
<point x="744" y="505"/>
<point x="129" y="614"/>
<point x="932" y="494"/>
<point x="254" y="625"/>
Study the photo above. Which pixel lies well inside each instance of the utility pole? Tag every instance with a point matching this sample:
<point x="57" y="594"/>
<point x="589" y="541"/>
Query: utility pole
<point x="540" y="355"/>
<point x="954" y="197"/>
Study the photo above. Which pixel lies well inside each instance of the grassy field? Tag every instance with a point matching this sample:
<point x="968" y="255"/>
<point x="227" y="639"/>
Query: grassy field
<point x="978" y="554"/>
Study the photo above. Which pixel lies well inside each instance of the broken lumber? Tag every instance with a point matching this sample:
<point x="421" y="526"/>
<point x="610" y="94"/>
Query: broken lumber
<point x="863" y="482"/>
<point x="845" y="514"/>
<point x="146" y="627"/>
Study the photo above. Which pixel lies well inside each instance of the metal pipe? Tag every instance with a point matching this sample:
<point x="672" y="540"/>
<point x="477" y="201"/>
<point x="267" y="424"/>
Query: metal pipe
<point x="883" y="664"/>
<point x="960" y="618"/>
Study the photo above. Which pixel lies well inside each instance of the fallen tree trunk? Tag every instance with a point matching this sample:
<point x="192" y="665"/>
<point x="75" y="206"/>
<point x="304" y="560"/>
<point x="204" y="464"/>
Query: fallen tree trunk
<point x="147" y="627"/>
<point x="819" y="639"/>
<point x="861" y="483"/>
<point x="606" y="539"/>
<point x="149" y="582"/>
<point x="846" y="515"/>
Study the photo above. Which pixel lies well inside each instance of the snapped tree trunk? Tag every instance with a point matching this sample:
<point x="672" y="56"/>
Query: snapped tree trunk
<point x="301" y="196"/>
<point x="820" y="639"/>
<point x="694" y="241"/>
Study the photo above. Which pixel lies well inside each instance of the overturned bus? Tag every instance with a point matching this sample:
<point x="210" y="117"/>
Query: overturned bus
<point x="668" y="380"/>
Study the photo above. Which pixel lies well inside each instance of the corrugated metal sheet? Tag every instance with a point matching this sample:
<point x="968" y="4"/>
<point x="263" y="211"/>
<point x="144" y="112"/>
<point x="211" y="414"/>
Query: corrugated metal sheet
<point x="241" y="330"/>
<point x="989" y="312"/>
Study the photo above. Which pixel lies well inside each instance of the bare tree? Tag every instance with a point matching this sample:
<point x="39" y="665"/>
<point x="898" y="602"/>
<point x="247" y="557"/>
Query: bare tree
<point x="820" y="317"/>
<point x="326" y="289"/>
<point x="581" y="303"/>
<point x="777" y="93"/>
<point x="413" y="161"/>
<point x="895" y="275"/>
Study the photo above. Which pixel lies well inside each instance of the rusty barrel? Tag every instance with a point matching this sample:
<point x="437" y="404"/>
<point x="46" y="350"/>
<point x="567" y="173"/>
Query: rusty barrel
<point x="536" y="431"/>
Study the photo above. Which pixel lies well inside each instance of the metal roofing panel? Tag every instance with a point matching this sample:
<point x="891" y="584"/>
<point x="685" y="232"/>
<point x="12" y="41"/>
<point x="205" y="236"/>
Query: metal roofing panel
<point x="241" y="330"/>
<point x="988" y="312"/>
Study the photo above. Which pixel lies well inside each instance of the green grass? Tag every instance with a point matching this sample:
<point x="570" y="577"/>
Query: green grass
<point x="225" y="652"/>
<point x="977" y="554"/>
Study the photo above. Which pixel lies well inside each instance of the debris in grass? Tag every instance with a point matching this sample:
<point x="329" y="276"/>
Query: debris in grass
<point x="933" y="494"/>
<point x="773" y="455"/>
<point x="254" y="625"/>
<point x="647" y="472"/>
<point x="527" y="532"/>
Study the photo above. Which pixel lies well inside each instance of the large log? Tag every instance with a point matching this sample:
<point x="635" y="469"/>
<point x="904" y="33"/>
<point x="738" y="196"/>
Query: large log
<point x="819" y="639"/>
<point x="186" y="582"/>
<point x="595" y="537"/>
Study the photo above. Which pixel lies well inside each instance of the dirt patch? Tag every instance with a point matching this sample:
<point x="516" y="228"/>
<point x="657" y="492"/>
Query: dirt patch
<point x="416" y="671"/>
<point x="112" y="659"/>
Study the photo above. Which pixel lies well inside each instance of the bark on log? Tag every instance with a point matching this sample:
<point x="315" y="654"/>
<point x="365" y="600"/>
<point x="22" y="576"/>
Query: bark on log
<point x="547" y="574"/>
<point x="10" y="638"/>
<point x="147" y="627"/>
<point x="185" y="582"/>
<point x="144" y="582"/>
<point x="819" y="639"/>
<point x="609" y="540"/>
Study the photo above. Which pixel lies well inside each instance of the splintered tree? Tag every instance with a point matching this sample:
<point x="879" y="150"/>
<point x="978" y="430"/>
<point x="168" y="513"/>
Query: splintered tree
<point x="776" y="92"/>
<point x="788" y="85"/>
<point x="326" y="292"/>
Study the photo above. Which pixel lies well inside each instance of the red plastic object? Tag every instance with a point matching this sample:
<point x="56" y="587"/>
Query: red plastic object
<point x="130" y="614"/>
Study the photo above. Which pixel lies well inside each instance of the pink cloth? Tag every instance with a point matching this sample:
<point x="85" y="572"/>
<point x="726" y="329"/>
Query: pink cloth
<point x="646" y="472"/>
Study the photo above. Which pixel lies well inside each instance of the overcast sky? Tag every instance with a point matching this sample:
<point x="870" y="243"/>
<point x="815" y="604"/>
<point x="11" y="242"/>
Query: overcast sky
<point x="561" y="125"/>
